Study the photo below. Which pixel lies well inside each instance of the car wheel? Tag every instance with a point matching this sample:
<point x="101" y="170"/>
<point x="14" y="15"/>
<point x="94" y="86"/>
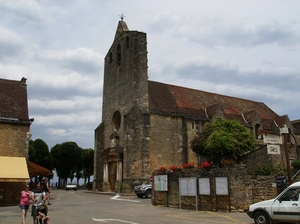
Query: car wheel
<point x="148" y="194"/>
<point x="140" y="195"/>
<point x="261" y="218"/>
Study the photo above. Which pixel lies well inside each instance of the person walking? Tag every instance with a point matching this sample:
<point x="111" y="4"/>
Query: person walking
<point x="46" y="188"/>
<point x="25" y="202"/>
<point x="38" y="196"/>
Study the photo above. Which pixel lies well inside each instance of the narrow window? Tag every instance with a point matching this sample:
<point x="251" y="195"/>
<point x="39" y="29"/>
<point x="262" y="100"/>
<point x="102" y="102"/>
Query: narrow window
<point x="119" y="54"/>
<point x="256" y="130"/>
<point x="127" y="42"/>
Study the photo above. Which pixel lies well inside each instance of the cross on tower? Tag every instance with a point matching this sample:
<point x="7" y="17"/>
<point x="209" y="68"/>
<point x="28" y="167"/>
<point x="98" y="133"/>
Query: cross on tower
<point x="122" y="16"/>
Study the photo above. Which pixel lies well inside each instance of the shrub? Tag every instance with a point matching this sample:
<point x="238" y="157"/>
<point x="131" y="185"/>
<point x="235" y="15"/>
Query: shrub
<point x="262" y="170"/>
<point x="296" y="164"/>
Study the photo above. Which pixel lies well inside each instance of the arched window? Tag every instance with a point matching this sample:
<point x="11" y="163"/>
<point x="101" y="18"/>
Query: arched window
<point x="116" y="121"/>
<point x="119" y="54"/>
<point x="127" y="42"/>
<point x="256" y="130"/>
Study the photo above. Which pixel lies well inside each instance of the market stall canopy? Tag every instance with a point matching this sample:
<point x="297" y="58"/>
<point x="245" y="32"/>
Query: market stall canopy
<point x="37" y="170"/>
<point x="13" y="169"/>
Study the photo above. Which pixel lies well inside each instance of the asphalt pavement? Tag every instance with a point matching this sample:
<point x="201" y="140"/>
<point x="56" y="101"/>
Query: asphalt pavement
<point x="89" y="207"/>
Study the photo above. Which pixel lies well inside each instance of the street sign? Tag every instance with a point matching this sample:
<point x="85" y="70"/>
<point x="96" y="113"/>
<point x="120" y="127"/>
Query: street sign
<point x="272" y="139"/>
<point x="273" y="149"/>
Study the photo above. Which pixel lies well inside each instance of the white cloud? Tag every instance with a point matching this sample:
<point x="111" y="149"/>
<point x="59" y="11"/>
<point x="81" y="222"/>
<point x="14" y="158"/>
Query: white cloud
<point x="247" y="49"/>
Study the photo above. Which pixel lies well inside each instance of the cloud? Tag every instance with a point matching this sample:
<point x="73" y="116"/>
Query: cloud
<point x="10" y="44"/>
<point x="81" y="60"/>
<point x="246" y="49"/>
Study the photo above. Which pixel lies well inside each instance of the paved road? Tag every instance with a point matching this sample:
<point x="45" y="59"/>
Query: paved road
<point x="82" y="207"/>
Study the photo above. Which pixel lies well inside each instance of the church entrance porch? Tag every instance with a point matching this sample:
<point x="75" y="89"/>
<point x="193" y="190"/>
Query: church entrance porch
<point x="112" y="172"/>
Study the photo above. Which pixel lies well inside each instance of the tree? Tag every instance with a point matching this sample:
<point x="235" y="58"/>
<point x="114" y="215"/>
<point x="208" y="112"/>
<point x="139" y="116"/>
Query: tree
<point x="223" y="139"/>
<point x="66" y="156"/>
<point x="39" y="153"/>
<point x="88" y="164"/>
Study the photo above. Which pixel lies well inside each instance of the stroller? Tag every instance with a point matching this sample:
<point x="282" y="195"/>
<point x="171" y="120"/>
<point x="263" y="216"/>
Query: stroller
<point x="41" y="214"/>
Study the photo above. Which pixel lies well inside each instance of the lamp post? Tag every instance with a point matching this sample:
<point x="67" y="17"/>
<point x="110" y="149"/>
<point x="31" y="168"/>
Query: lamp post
<point x="285" y="131"/>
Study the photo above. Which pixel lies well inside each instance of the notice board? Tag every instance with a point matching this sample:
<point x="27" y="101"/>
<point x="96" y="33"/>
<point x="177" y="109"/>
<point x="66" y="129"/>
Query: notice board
<point x="161" y="183"/>
<point x="188" y="186"/>
<point x="204" y="186"/>
<point x="222" y="186"/>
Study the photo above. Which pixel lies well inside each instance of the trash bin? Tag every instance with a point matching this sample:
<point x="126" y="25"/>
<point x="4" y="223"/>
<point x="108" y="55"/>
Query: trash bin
<point x="280" y="183"/>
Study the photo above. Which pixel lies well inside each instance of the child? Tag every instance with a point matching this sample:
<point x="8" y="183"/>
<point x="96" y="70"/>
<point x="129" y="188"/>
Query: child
<point x="42" y="217"/>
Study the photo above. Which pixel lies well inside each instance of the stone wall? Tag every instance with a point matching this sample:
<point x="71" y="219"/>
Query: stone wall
<point x="13" y="140"/>
<point x="243" y="190"/>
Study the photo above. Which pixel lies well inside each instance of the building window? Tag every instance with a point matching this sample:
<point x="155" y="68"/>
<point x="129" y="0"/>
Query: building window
<point x="119" y="54"/>
<point x="127" y="42"/>
<point x="256" y="130"/>
<point x="116" y="121"/>
<point x="193" y="125"/>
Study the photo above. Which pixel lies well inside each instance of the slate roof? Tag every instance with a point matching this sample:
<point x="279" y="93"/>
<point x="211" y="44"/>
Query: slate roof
<point x="13" y="100"/>
<point x="180" y="101"/>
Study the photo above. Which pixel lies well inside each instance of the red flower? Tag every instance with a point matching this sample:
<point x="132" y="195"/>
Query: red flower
<point x="205" y="165"/>
<point x="187" y="165"/>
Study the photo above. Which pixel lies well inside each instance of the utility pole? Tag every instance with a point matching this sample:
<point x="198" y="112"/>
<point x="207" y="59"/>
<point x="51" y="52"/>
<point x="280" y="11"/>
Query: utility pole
<point x="285" y="131"/>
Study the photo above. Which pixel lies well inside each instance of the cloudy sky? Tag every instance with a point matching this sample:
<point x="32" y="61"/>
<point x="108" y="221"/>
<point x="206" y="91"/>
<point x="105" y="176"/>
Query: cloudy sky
<point x="246" y="49"/>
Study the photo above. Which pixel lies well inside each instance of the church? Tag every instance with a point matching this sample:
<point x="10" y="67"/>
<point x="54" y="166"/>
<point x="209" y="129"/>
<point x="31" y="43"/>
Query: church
<point x="147" y="124"/>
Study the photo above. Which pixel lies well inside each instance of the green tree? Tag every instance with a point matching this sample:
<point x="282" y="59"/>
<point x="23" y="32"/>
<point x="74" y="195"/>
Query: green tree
<point x="66" y="156"/>
<point x="88" y="164"/>
<point x="39" y="153"/>
<point x="223" y="139"/>
<point x="79" y="165"/>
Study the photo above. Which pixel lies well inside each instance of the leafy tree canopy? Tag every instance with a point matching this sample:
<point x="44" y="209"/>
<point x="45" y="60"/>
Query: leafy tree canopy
<point x="39" y="153"/>
<point x="88" y="162"/>
<point x="67" y="157"/>
<point x="223" y="139"/>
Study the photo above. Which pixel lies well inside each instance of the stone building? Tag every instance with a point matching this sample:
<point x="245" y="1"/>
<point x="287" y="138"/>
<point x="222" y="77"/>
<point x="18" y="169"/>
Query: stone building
<point x="147" y="124"/>
<point x="14" y="137"/>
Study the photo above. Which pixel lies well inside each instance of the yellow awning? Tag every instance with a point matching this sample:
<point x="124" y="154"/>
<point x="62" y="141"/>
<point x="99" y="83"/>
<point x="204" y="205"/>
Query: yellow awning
<point x="13" y="169"/>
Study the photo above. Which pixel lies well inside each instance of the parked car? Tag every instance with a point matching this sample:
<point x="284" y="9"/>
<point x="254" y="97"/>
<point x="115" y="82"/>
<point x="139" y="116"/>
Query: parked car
<point x="71" y="186"/>
<point x="284" y="208"/>
<point x="143" y="190"/>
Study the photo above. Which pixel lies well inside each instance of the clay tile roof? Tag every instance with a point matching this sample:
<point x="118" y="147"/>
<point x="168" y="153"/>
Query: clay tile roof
<point x="180" y="101"/>
<point x="281" y="120"/>
<point x="13" y="99"/>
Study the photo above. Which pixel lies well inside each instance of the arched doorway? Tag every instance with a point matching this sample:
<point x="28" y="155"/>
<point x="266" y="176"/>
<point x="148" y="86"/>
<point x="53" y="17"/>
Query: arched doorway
<point x="112" y="170"/>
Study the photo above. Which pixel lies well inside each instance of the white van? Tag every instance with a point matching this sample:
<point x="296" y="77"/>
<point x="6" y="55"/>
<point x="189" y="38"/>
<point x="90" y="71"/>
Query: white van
<point x="284" y="208"/>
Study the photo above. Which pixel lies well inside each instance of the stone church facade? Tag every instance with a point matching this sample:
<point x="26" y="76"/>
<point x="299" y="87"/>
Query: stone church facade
<point x="147" y="124"/>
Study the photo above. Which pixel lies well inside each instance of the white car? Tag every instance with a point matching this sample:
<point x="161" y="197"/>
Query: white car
<point x="284" y="208"/>
<point x="71" y="186"/>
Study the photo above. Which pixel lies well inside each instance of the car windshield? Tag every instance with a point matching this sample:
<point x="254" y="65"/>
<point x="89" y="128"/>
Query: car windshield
<point x="290" y="195"/>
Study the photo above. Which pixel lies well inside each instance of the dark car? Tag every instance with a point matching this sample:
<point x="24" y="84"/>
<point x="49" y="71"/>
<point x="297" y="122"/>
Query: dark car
<point x="143" y="190"/>
<point x="89" y="186"/>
